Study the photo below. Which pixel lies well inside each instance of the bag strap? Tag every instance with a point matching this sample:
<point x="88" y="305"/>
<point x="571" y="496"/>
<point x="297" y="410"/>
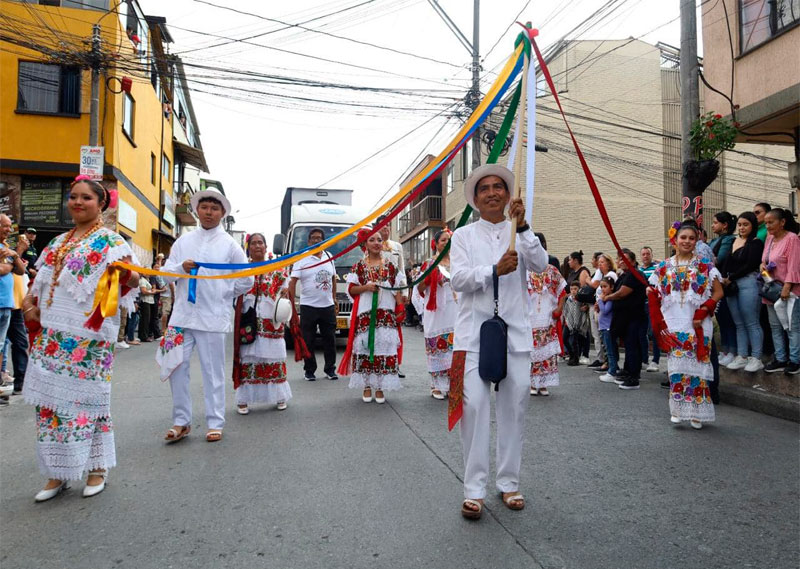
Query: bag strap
<point x="495" y="280"/>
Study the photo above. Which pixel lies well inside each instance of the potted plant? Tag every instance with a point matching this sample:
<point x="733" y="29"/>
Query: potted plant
<point x="710" y="135"/>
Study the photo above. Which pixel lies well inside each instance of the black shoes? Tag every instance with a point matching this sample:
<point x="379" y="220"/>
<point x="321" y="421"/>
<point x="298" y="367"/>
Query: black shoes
<point x="665" y="384"/>
<point x="791" y="369"/>
<point x="595" y="363"/>
<point x="629" y="384"/>
<point x="774" y="366"/>
<point x="310" y="376"/>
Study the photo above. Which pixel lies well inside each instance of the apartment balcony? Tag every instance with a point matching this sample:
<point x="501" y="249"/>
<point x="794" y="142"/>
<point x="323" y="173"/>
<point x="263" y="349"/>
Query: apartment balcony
<point x="428" y="210"/>
<point x="183" y="209"/>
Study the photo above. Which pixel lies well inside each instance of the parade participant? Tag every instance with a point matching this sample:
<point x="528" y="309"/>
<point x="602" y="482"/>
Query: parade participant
<point x="259" y="368"/>
<point x="687" y="289"/>
<point x="440" y="306"/>
<point x="70" y="365"/>
<point x="202" y="324"/>
<point x="318" y="305"/>
<point x="547" y="295"/>
<point x="393" y="251"/>
<point x="479" y="251"/>
<point x="371" y="355"/>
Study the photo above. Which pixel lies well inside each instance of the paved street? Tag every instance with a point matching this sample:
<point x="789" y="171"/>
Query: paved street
<point x="335" y="483"/>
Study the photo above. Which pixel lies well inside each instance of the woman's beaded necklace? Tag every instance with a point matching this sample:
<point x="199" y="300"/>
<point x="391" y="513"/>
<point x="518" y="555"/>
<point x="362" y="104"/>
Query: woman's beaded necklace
<point x="68" y="244"/>
<point x="682" y="271"/>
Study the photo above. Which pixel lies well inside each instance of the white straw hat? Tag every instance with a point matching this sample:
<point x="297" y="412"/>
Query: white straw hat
<point x="283" y="311"/>
<point x="214" y="194"/>
<point x="481" y="172"/>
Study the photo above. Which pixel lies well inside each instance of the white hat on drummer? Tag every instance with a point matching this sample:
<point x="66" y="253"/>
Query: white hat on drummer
<point x="480" y="173"/>
<point x="214" y="194"/>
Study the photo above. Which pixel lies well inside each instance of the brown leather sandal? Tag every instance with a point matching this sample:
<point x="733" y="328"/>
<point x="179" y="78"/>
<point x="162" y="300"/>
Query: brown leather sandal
<point x="178" y="432"/>
<point x="214" y="435"/>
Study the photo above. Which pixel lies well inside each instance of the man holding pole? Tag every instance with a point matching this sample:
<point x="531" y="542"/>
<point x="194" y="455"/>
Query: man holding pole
<point x="478" y="251"/>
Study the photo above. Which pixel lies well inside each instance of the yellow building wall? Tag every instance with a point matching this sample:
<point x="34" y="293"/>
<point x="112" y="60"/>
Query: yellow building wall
<point x="57" y="139"/>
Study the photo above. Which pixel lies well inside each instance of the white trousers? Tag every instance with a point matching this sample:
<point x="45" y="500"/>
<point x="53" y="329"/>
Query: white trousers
<point x="510" y="406"/>
<point x="211" y="350"/>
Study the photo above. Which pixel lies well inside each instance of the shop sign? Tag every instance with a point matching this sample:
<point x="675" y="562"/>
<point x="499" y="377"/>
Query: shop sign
<point x="41" y="202"/>
<point x="92" y="158"/>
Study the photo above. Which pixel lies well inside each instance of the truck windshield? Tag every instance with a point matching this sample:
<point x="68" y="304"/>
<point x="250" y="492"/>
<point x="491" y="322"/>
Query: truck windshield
<point x="344" y="263"/>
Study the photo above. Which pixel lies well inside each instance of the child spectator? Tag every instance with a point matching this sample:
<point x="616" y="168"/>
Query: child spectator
<point x="604" y="324"/>
<point x="576" y="316"/>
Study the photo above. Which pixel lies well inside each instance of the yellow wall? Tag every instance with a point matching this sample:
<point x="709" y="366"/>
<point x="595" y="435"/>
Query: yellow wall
<point x="57" y="139"/>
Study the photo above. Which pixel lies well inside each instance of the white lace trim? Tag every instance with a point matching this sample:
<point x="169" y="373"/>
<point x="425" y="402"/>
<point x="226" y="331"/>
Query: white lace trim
<point x="66" y="395"/>
<point x="440" y="361"/>
<point x="383" y="382"/>
<point x="690" y="367"/>
<point x="80" y="291"/>
<point x="545" y="352"/>
<point x="387" y="341"/>
<point x="547" y="380"/>
<point x="269" y="393"/>
<point x="69" y="461"/>
<point x="440" y="382"/>
<point x="686" y="411"/>
<point x="264" y="348"/>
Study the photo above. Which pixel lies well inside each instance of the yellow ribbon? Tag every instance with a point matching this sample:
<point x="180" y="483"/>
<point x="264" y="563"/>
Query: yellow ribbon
<point x="405" y="190"/>
<point x="107" y="294"/>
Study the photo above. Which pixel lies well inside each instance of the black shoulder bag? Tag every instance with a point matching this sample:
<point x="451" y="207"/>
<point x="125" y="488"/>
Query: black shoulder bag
<point x="492" y="357"/>
<point x="248" y="321"/>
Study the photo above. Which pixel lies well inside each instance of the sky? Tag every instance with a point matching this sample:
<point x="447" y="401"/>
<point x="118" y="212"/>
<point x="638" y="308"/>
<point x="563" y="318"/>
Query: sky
<point x="261" y="137"/>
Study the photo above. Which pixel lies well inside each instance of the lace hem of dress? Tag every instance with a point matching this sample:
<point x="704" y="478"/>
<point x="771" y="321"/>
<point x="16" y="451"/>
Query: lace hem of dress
<point x="71" y="461"/>
<point x="686" y="411"/>
<point x="382" y="382"/>
<point x="66" y="395"/>
<point x="440" y="362"/>
<point x="545" y="380"/>
<point x="271" y="393"/>
<point x="441" y="381"/>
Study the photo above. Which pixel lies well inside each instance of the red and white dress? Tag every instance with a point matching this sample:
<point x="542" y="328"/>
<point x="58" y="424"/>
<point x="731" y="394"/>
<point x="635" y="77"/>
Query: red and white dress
<point x="438" y="320"/>
<point x="545" y="289"/>
<point x="379" y="370"/>
<point x="262" y="364"/>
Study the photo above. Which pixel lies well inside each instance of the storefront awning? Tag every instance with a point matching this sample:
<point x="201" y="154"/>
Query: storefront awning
<point x="190" y="155"/>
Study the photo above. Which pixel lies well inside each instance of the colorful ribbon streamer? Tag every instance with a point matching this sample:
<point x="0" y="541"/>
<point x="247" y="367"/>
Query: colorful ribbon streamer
<point x="373" y="322"/>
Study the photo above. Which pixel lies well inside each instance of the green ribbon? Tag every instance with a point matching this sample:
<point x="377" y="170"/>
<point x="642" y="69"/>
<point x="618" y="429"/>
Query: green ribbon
<point x="494" y="154"/>
<point x="373" y="322"/>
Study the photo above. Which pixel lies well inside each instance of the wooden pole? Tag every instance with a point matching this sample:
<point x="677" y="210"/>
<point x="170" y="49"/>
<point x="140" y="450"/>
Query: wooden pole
<point x="518" y="157"/>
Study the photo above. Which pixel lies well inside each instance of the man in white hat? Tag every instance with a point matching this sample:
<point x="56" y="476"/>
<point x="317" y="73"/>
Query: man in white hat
<point x="476" y="252"/>
<point x="205" y="321"/>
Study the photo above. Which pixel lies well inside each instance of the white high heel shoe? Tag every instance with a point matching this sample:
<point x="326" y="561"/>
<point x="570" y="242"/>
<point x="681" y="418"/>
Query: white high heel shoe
<point x="89" y="491"/>
<point x="44" y="495"/>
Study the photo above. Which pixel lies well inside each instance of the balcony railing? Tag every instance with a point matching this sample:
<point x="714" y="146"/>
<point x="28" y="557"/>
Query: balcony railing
<point x="428" y="209"/>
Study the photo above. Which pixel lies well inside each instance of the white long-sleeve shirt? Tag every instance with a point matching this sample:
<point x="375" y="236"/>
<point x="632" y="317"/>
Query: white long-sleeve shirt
<point x="474" y="249"/>
<point x="213" y="311"/>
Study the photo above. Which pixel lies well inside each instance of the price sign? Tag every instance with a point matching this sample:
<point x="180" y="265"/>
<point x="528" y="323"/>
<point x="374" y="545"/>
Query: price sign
<point x="92" y="158"/>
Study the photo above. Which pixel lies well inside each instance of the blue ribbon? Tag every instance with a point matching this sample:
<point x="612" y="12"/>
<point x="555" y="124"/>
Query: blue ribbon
<point x="193" y="285"/>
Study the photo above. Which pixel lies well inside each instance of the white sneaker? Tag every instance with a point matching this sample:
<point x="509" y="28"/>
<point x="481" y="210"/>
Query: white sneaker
<point x="584" y="361"/>
<point x="6" y="389"/>
<point x="738" y="363"/>
<point x="653" y="367"/>
<point x="753" y="364"/>
<point x="607" y="378"/>
<point x="725" y="359"/>
<point x="124" y="345"/>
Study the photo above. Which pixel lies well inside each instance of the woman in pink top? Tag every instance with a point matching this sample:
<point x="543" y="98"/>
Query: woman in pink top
<point x="782" y="260"/>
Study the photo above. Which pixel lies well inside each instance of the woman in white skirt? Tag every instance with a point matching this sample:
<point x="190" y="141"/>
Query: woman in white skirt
<point x="372" y="347"/>
<point x="438" y="317"/>
<point x="547" y="298"/>
<point x="259" y="371"/>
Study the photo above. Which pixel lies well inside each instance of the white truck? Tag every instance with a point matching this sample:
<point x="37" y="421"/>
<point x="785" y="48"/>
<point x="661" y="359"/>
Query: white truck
<point x="332" y="211"/>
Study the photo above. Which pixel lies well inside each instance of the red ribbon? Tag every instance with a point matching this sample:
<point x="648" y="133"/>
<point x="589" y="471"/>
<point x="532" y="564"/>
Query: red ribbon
<point x="601" y="208"/>
<point x="432" y="280"/>
<point x="346" y="364"/>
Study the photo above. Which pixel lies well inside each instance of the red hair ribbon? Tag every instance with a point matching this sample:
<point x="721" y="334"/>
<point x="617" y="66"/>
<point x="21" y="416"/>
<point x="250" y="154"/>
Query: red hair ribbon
<point x="362" y="236"/>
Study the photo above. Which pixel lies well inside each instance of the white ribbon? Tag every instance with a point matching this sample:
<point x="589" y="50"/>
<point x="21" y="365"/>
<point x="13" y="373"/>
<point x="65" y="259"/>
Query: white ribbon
<point x="530" y="162"/>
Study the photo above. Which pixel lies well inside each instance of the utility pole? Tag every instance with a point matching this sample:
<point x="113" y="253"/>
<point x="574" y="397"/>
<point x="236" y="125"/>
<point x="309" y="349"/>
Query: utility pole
<point x="94" y="108"/>
<point x="691" y="201"/>
<point x="474" y="96"/>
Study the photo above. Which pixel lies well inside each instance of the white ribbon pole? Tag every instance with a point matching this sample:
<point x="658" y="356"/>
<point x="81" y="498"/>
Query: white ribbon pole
<point x="530" y="161"/>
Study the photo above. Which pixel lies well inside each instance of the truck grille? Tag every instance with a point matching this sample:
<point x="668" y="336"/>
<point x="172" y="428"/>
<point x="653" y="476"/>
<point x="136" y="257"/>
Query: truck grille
<point x="345" y="306"/>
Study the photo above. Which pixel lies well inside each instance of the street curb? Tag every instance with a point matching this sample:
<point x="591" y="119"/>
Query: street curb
<point x="781" y="406"/>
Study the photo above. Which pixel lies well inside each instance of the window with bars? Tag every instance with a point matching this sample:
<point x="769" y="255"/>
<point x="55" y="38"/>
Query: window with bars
<point x="761" y="20"/>
<point x="48" y="88"/>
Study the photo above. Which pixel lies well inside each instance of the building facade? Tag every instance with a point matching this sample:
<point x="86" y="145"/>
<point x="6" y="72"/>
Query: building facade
<point x="45" y="92"/>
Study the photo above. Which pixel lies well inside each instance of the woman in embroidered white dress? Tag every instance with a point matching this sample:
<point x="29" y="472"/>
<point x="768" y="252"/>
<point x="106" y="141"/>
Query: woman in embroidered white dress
<point x="440" y="308"/>
<point x="70" y="366"/>
<point x="687" y="288"/>
<point x="546" y="290"/>
<point x="376" y="368"/>
<point x="259" y="372"/>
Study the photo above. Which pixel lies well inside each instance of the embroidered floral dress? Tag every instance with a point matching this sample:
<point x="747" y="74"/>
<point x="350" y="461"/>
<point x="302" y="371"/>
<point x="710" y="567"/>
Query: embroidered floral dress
<point x="70" y="366"/>
<point x="544" y="289"/>
<point x="683" y="289"/>
<point x="438" y="329"/>
<point x="381" y="370"/>
<point x="262" y="365"/>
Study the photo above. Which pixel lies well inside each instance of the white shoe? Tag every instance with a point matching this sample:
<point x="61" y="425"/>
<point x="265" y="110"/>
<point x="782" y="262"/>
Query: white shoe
<point x="725" y="359"/>
<point x="607" y="378"/>
<point x="676" y="420"/>
<point x="123" y="345"/>
<point x="379" y="398"/>
<point x="44" y="495"/>
<point x="243" y="410"/>
<point x="437" y="394"/>
<point x="6" y="389"/>
<point x="543" y="392"/>
<point x="584" y="361"/>
<point x="89" y="491"/>
<point x="753" y="364"/>
<point x="696" y="424"/>
<point x="737" y="363"/>
<point x="365" y="398"/>
<point x="653" y="367"/>
<point x="534" y="391"/>
<point x="281" y="405"/>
